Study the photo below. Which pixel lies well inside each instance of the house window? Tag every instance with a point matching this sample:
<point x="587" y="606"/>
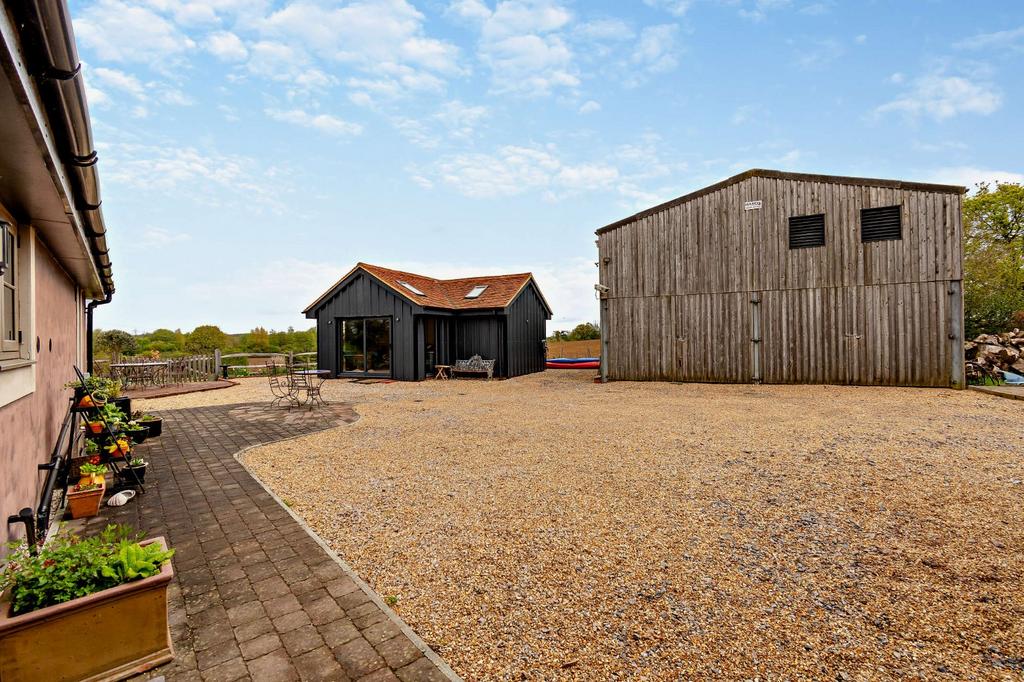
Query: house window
<point x="9" y="313"/>
<point x="881" y="224"/>
<point x="476" y="291"/>
<point x="806" y="231"/>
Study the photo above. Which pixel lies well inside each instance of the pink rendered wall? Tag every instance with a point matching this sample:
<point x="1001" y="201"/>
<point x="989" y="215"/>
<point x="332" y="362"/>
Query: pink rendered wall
<point x="29" y="426"/>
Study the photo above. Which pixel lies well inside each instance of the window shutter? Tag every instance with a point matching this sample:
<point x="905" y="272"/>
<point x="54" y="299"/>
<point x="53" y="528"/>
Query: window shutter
<point x="880" y="224"/>
<point x="806" y="231"/>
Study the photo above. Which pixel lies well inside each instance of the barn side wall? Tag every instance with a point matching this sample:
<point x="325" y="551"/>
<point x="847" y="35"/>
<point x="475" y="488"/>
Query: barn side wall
<point x="707" y="291"/>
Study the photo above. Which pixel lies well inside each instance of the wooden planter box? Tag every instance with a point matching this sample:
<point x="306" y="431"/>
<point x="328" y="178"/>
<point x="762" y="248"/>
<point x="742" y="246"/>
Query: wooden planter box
<point x="109" y="635"/>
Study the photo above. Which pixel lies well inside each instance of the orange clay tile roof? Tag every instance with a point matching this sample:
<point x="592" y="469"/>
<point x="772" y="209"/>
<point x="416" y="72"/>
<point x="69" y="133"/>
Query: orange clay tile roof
<point x="450" y="294"/>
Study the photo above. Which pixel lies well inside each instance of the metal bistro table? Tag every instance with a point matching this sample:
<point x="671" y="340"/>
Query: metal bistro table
<point x="139" y="373"/>
<point x="309" y="381"/>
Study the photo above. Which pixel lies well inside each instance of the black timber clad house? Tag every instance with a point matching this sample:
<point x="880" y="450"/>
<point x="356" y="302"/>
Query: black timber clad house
<point x="377" y="322"/>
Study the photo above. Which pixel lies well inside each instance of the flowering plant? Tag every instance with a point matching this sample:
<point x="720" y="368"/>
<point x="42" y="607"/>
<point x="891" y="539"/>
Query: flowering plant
<point x="71" y="567"/>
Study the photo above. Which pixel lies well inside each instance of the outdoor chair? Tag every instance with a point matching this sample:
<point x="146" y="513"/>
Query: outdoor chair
<point x="281" y="386"/>
<point x="475" y="365"/>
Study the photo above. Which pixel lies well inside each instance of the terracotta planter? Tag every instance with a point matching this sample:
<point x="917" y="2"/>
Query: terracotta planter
<point x="61" y="642"/>
<point x="96" y="427"/>
<point x="85" y="503"/>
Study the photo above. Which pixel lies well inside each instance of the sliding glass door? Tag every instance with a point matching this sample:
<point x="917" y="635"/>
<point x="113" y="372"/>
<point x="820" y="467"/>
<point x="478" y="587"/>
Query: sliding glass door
<point x="366" y="345"/>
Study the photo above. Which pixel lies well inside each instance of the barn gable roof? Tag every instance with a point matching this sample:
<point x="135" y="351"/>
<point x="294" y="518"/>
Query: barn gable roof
<point x="782" y="175"/>
<point x="499" y="291"/>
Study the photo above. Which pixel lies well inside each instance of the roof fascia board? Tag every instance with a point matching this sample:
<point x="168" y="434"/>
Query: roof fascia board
<point x="783" y="175"/>
<point x="25" y="89"/>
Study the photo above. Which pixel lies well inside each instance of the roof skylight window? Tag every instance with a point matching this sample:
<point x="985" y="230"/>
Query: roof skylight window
<point x="411" y="288"/>
<point x="476" y="291"/>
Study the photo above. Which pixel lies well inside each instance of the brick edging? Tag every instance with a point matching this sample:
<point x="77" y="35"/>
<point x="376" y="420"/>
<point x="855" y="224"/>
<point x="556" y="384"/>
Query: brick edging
<point x="417" y="641"/>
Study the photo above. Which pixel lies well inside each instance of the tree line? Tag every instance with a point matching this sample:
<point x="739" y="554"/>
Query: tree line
<point x="994" y="259"/>
<point x="202" y="340"/>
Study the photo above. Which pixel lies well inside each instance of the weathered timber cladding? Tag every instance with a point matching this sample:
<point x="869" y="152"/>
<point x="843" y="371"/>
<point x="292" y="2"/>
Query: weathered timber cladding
<point x="688" y="280"/>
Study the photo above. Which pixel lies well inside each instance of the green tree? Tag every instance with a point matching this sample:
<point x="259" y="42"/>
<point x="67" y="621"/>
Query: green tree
<point x="116" y="342"/>
<point x="993" y="258"/>
<point x="257" y="341"/>
<point x="205" y="339"/>
<point x="163" y="340"/>
<point x="585" y="332"/>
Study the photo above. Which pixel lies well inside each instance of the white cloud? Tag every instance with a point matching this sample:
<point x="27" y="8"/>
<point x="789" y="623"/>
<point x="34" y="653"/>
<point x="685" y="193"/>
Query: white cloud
<point x="942" y="97"/>
<point x="513" y="170"/>
<point x="118" y="31"/>
<point x="760" y="8"/>
<point x="159" y="237"/>
<point x="119" y="80"/>
<point x="469" y="9"/>
<point x="325" y="123"/>
<point x="521" y="45"/>
<point x="675" y="7"/>
<point x="655" y="51"/>
<point x="747" y="113"/>
<point x="969" y="176"/>
<point x="589" y="107"/>
<point x="226" y="46"/>
<point x="208" y="177"/>
<point x="819" y="53"/>
<point x="1010" y="39"/>
<point x="376" y="36"/>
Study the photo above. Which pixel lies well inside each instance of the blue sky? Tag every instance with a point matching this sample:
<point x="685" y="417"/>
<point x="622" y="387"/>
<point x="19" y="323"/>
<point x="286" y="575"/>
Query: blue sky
<point x="251" y="152"/>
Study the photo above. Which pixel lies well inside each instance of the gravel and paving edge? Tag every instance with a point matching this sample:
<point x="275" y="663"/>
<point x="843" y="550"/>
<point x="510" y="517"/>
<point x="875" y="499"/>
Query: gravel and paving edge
<point x="374" y="597"/>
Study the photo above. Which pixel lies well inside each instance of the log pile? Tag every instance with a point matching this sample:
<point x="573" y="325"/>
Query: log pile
<point x="987" y="354"/>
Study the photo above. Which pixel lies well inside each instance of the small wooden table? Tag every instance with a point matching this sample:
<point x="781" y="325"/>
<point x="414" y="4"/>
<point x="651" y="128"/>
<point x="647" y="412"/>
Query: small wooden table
<point x="443" y="372"/>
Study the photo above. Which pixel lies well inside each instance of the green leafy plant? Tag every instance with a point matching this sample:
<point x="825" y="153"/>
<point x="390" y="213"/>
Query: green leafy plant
<point x="137" y="462"/>
<point x="87" y="487"/>
<point x="112" y="414"/>
<point x="93" y="469"/>
<point x="71" y="567"/>
<point x="91" y="447"/>
<point x="132" y="561"/>
<point x="111" y="388"/>
<point x="141" y="416"/>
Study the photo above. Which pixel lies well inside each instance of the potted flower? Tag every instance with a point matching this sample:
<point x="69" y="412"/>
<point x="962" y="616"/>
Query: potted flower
<point x="118" y="447"/>
<point x="74" y="589"/>
<point x="153" y="423"/>
<point x="92" y="472"/>
<point x="136" y="431"/>
<point x="138" y="466"/>
<point x="94" y="426"/>
<point x="85" y="500"/>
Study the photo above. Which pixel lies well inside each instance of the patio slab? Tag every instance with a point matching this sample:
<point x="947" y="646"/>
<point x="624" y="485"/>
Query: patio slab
<point x="256" y="595"/>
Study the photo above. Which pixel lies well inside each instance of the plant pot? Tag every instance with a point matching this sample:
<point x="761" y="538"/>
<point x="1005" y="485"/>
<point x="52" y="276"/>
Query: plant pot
<point x="124" y="404"/>
<point x="138" y="435"/>
<point x="28" y="641"/>
<point x="85" y="503"/>
<point x="140" y="474"/>
<point x="95" y="427"/>
<point x="155" y="426"/>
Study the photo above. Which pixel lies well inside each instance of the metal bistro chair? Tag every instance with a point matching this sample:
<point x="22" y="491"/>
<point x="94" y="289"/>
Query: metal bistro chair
<point x="282" y="386"/>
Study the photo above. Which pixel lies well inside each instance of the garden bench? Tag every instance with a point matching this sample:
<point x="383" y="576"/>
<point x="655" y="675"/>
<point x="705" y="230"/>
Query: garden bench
<point x="475" y="365"/>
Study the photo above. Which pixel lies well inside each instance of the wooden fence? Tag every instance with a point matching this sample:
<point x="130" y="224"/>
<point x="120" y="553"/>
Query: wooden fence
<point x="140" y="371"/>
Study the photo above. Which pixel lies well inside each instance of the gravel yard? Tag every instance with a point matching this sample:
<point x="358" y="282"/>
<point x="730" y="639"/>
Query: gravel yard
<point x="550" y="528"/>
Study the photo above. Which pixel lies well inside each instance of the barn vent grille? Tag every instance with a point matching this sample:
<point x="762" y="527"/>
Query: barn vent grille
<point x="880" y="224"/>
<point x="806" y="231"/>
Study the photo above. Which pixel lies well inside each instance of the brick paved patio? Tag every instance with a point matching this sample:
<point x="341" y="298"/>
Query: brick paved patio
<point x="255" y="595"/>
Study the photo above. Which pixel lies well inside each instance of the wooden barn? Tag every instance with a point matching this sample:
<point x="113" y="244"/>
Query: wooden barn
<point x="376" y="322"/>
<point x="787" y="278"/>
